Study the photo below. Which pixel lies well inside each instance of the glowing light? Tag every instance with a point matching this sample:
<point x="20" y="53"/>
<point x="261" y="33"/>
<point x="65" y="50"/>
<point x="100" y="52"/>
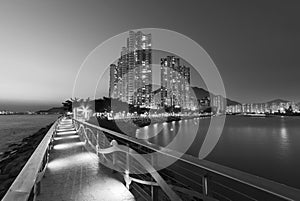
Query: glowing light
<point x="67" y="145"/>
<point x="72" y="161"/>
<point x="66" y="137"/>
<point x="91" y="185"/>
<point x="110" y="189"/>
<point x="66" y="132"/>
<point x="60" y="129"/>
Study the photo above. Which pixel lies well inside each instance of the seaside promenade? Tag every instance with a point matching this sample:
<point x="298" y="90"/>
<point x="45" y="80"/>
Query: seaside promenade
<point x="76" y="174"/>
<point x="68" y="165"/>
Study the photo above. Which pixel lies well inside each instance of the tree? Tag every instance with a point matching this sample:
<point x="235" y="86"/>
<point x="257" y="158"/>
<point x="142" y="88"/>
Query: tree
<point x="289" y="111"/>
<point x="67" y="105"/>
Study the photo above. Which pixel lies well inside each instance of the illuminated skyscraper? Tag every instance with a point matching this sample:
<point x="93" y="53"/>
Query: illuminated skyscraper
<point x="123" y="66"/>
<point x="134" y="71"/>
<point x="175" y="81"/>
<point x="142" y="68"/>
<point x="113" y="82"/>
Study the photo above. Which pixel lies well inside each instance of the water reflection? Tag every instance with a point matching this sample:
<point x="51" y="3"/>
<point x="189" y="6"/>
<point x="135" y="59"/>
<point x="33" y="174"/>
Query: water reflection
<point x="254" y="145"/>
<point x="149" y="131"/>
<point x="177" y="135"/>
<point x="284" y="143"/>
<point x="284" y="135"/>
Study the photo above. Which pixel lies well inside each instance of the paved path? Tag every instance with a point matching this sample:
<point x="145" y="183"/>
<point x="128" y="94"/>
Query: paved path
<point x="75" y="174"/>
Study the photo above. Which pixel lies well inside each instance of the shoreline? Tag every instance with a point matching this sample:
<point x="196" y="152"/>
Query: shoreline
<point x="130" y="126"/>
<point x="141" y="122"/>
<point x="16" y="156"/>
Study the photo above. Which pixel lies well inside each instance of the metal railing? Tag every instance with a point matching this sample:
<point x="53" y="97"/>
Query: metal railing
<point x="27" y="184"/>
<point x="187" y="179"/>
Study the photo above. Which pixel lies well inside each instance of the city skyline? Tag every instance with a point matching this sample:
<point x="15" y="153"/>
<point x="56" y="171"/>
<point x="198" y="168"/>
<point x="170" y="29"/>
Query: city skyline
<point x="44" y="43"/>
<point x="130" y="78"/>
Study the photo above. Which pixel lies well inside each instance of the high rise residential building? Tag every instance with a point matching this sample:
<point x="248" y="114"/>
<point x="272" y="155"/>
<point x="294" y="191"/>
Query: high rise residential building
<point x="234" y="109"/>
<point x="219" y="102"/>
<point x="134" y="71"/>
<point x="175" y="83"/>
<point x="131" y="77"/>
<point x="113" y="82"/>
<point x="123" y="68"/>
<point x="142" y="68"/>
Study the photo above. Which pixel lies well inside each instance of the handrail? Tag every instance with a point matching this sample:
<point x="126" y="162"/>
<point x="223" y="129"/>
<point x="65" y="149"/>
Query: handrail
<point x="265" y="185"/>
<point x="121" y="148"/>
<point x="23" y="184"/>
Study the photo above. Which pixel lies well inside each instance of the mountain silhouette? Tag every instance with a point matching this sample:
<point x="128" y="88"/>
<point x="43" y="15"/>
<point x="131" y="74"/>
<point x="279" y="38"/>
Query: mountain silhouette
<point x="202" y="93"/>
<point x="277" y="101"/>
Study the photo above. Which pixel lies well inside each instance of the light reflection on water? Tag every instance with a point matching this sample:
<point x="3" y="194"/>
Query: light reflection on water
<point x="267" y="147"/>
<point x="284" y="135"/>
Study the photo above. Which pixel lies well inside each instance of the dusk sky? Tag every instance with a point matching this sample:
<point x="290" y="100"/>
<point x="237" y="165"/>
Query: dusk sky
<point x="254" y="44"/>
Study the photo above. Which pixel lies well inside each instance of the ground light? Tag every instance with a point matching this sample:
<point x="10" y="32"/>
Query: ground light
<point x="68" y="145"/>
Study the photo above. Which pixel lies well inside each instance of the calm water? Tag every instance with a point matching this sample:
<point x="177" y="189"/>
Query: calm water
<point x="267" y="147"/>
<point x="13" y="128"/>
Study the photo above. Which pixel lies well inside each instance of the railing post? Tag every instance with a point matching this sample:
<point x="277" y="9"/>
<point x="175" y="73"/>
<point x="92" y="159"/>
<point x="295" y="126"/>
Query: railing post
<point x="34" y="192"/>
<point x="51" y="142"/>
<point x="127" y="170"/>
<point x="127" y="159"/>
<point x="154" y="193"/>
<point x="54" y="134"/>
<point x="102" y="146"/>
<point x="85" y="136"/>
<point x="97" y="143"/>
<point x="205" y="185"/>
<point x="103" y="140"/>
<point x="114" y="157"/>
<point x="47" y="156"/>
<point x="154" y="189"/>
<point x="38" y="188"/>
<point x="74" y="124"/>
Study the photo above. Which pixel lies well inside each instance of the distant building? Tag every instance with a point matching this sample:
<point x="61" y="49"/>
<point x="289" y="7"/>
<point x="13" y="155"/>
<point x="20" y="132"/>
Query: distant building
<point x="5" y="112"/>
<point x="219" y="102"/>
<point x="175" y="83"/>
<point x="264" y="107"/>
<point x="204" y="102"/>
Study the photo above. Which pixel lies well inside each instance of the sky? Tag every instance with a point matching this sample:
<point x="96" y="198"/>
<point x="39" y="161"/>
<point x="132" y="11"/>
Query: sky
<point x="254" y="44"/>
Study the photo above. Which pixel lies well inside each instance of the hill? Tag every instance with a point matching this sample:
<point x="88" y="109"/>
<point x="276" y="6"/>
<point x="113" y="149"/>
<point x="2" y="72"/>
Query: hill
<point x="277" y="101"/>
<point x="202" y="93"/>
<point x="54" y="110"/>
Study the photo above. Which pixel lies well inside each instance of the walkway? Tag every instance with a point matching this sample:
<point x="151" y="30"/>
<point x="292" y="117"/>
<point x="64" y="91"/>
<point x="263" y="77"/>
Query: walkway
<point x="75" y="174"/>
